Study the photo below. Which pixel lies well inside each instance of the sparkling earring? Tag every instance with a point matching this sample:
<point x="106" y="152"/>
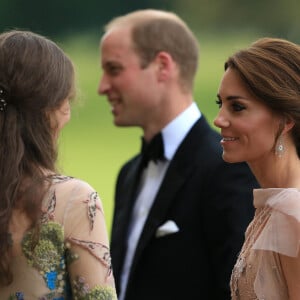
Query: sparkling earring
<point x="279" y="149"/>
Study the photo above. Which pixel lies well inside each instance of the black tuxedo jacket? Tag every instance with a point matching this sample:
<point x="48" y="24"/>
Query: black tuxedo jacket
<point x="211" y="203"/>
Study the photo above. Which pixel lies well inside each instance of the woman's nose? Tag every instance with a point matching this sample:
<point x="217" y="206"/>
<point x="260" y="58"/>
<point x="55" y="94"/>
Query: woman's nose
<point x="221" y="121"/>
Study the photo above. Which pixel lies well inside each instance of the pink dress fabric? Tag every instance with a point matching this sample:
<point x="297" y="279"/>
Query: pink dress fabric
<point x="272" y="238"/>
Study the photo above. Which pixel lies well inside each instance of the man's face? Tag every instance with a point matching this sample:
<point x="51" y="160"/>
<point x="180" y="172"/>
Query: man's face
<point x="130" y="89"/>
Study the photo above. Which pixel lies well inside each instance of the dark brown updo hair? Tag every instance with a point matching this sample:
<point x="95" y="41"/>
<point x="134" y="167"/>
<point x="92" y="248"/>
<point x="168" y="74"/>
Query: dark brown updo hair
<point x="270" y="68"/>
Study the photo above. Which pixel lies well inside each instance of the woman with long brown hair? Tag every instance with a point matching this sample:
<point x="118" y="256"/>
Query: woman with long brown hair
<point x="53" y="239"/>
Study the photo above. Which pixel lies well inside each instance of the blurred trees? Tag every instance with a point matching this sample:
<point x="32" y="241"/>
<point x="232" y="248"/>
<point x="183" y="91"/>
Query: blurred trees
<point x="269" y="17"/>
<point x="57" y="17"/>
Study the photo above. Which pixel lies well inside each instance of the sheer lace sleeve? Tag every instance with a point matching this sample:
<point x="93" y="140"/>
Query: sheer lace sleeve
<point x="88" y="256"/>
<point x="279" y="263"/>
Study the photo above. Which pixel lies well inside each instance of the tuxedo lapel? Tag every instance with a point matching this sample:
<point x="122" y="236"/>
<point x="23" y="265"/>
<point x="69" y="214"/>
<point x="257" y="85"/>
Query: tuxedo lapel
<point x="123" y="211"/>
<point x="129" y="192"/>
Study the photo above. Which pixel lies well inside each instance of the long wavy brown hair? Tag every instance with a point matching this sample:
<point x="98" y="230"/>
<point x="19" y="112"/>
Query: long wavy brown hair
<point x="36" y="76"/>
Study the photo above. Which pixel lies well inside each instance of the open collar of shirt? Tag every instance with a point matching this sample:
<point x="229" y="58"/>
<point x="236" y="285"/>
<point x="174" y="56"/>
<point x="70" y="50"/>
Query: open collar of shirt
<point x="174" y="133"/>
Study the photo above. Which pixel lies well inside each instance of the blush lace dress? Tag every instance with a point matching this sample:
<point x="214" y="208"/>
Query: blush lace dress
<point x="72" y="258"/>
<point x="271" y="242"/>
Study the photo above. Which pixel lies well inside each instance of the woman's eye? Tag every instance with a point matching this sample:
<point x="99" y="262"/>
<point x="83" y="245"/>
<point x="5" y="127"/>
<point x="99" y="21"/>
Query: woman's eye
<point x="238" y="107"/>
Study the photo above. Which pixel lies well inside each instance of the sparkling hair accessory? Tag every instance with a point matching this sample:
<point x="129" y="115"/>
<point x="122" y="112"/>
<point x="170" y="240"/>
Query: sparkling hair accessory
<point x="3" y="96"/>
<point x="279" y="149"/>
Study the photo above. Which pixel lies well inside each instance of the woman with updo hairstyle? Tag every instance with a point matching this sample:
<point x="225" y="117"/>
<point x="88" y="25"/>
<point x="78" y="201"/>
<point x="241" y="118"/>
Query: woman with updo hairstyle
<point x="53" y="238"/>
<point x="259" y="118"/>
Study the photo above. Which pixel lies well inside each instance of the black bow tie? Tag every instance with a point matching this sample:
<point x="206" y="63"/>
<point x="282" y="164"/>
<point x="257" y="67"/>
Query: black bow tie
<point x="153" y="150"/>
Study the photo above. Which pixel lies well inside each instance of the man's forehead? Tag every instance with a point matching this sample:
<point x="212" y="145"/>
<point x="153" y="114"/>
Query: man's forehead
<point x="116" y="31"/>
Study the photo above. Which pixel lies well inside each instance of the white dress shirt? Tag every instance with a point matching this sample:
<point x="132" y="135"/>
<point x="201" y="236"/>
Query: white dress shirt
<point x="151" y="179"/>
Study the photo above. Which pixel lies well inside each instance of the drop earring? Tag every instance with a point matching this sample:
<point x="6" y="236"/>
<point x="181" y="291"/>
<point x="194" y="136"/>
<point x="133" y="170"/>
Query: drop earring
<point x="279" y="149"/>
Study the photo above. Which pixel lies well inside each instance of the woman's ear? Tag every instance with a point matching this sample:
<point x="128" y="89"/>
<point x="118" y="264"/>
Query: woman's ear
<point x="288" y="125"/>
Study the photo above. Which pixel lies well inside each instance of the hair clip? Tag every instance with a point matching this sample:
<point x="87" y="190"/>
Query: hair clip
<point x="3" y="102"/>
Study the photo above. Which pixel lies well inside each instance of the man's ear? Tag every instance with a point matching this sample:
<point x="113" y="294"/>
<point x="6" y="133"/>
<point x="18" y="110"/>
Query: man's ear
<point x="165" y="65"/>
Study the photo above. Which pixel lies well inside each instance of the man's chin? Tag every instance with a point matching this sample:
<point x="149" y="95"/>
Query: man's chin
<point x="120" y="123"/>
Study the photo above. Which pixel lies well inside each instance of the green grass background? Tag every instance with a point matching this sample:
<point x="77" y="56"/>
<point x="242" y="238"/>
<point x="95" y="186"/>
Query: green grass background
<point x="91" y="147"/>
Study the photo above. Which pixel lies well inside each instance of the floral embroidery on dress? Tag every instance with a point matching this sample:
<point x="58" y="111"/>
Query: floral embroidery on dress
<point x="83" y="292"/>
<point x="245" y="271"/>
<point x="57" y="178"/>
<point x="238" y="270"/>
<point x="17" y="296"/>
<point x="70" y="255"/>
<point x="48" y="255"/>
<point x="53" y="251"/>
<point x="100" y="251"/>
<point x="93" y="205"/>
<point x="49" y="213"/>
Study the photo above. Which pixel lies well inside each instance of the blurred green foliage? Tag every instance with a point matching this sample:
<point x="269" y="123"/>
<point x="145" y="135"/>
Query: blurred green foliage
<point x="91" y="147"/>
<point x="268" y="17"/>
<point x="56" y="17"/>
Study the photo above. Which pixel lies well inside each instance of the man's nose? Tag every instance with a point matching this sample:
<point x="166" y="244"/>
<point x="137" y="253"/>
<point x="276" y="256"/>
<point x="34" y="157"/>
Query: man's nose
<point x="104" y="85"/>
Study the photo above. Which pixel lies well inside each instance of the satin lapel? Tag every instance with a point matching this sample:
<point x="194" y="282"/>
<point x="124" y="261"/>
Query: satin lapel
<point x="125" y="201"/>
<point x="128" y="194"/>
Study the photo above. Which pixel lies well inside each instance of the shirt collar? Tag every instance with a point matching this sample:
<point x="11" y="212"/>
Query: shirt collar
<point x="174" y="133"/>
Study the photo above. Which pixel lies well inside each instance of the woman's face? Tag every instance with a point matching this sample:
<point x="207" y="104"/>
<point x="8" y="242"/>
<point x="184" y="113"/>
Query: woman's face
<point x="61" y="116"/>
<point x="248" y="127"/>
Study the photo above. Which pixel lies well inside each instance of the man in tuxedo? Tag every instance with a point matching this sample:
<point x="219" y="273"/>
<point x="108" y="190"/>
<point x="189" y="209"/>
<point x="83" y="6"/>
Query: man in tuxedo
<point x="180" y="211"/>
